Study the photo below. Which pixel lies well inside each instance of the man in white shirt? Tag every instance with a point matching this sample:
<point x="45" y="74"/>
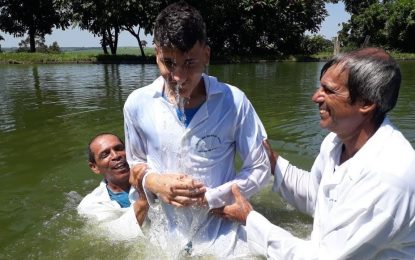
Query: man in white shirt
<point x="119" y="209"/>
<point x="361" y="188"/>
<point x="188" y="127"/>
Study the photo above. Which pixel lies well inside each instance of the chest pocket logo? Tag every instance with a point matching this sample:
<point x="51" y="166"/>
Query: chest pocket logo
<point x="208" y="143"/>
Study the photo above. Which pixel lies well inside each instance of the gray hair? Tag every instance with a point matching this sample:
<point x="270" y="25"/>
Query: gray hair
<point x="373" y="77"/>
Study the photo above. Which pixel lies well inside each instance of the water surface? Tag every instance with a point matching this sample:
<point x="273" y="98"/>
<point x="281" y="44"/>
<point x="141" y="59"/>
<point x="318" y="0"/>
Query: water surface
<point x="48" y="113"/>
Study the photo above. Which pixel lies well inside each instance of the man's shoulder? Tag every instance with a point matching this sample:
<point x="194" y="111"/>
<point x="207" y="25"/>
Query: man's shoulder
<point x="100" y="193"/>
<point x="229" y="93"/>
<point x="394" y="158"/>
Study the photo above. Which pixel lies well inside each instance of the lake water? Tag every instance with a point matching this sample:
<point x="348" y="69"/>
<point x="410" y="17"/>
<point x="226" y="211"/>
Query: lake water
<point x="48" y="113"/>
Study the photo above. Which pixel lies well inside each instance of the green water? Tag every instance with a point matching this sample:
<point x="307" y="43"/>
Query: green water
<point x="48" y="113"/>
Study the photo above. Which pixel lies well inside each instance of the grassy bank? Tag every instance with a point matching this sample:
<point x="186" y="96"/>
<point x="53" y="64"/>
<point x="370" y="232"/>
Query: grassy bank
<point x="79" y="55"/>
<point x="396" y="55"/>
<point x="132" y="55"/>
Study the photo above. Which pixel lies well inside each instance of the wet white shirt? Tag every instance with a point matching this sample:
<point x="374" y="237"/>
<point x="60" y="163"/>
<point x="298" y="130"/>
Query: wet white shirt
<point x="118" y="223"/>
<point x="225" y="125"/>
<point x="363" y="209"/>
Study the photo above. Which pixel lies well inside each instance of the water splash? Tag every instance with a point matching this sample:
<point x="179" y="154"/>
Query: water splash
<point x="180" y="102"/>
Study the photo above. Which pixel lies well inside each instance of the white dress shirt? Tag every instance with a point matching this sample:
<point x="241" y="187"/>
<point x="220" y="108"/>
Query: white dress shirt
<point x="225" y="125"/>
<point x="362" y="209"/>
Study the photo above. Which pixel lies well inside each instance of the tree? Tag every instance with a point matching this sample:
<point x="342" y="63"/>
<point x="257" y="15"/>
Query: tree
<point x="140" y="15"/>
<point x="370" y="22"/>
<point x="34" y="17"/>
<point x="315" y="43"/>
<point x="144" y="43"/>
<point x="400" y="26"/>
<point x="24" y="45"/>
<point x="107" y="18"/>
<point x="54" y="48"/>
<point x="390" y="24"/>
<point x="1" y="39"/>
<point x="98" y="17"/>
<point x="259" y="26"/>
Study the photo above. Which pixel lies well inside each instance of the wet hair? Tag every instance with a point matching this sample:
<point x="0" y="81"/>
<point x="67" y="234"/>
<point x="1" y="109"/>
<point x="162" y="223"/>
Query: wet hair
<point x="91" y="155"/>
<point x="373" y="77"/>
<point x="179" y="26"/>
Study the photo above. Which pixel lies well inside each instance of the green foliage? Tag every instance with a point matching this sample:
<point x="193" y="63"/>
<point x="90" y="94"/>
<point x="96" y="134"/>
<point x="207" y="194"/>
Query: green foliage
<point x="315" y="44"/>
<point x="32" y="17"/>
<point x="54" y="48"/>
<point x="40" y="46"/>
<point x="357" y="6"/>
<point x="234" y="27"/>
<point x="107" y="18"/>
<point x="400" y="26"/>
<point x="390" y="24"/>
<point x="78" y="55"/>
<point x="259" y="26"/>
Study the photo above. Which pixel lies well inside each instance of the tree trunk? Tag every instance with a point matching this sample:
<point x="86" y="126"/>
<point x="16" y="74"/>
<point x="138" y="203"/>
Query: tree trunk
<point x="113" y="40"/>
<point x="104" y="42"/>
<point x="32" y="39"/>
<point x="137" y="36"/>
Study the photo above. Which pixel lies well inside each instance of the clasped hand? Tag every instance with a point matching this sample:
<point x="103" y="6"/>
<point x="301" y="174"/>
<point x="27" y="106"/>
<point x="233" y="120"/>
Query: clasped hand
<point x="176" y="189"/>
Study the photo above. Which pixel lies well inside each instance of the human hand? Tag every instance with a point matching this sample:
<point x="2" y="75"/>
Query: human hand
<point x="176" y="189"/>
<point x="136" y="178"/>
<point x="272" y="155"/>
<point x="238" y="211"/>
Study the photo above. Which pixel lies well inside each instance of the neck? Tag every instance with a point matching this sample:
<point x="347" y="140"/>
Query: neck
<point x="353" y="143"/>
<point x="193" y="99"/>
<point x="118" y="188"/>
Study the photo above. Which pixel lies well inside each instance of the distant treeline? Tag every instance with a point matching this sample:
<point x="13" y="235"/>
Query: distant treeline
<point x="234" y="27"/>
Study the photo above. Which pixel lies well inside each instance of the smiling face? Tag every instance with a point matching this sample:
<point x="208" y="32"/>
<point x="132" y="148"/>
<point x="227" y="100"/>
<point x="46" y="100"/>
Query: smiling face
<point x="337" y="114"/>
<point x="110" y="160"/>
<point x="184" y="69"/>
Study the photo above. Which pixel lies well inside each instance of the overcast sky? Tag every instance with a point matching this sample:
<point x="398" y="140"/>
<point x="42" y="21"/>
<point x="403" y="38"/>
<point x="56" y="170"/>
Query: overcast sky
<point x="78" y="38"/>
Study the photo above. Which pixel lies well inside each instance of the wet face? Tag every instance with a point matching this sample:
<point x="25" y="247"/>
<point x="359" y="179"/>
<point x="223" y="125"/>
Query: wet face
<point x="183" y="69"/>
<point x="333" y="99"/>
<point x="110" y="160"/>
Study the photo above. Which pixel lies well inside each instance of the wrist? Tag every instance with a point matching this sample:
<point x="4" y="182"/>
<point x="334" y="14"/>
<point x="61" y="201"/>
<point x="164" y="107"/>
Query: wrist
<point x="151" y="181"/>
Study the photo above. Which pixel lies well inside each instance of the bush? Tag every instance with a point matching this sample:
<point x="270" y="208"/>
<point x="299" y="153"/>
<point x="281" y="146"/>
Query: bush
<point x="315" y="44"/>
<point x="24" y="46"/>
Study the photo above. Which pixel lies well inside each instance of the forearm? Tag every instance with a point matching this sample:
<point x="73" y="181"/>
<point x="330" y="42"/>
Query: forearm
<point x="296" y="186"/>
<point x="141" y="209"/>
<point x="254" y="175"/>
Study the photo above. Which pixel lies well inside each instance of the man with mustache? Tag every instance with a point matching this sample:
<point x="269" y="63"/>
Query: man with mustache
<point x="120" y="209"/>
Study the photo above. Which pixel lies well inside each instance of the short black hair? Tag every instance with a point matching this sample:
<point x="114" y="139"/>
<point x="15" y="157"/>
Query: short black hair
<point x="91" y="155"/>
<point x="179" y="26"/>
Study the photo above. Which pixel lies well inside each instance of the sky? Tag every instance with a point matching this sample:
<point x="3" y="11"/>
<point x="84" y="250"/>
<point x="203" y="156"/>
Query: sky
<point x="78" y="38"/>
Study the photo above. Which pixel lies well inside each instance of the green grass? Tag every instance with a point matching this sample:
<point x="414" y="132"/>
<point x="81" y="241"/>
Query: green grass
<point x="79" y="55"/>
<point x="396" y="55"/>
<point x="133" y="55"/>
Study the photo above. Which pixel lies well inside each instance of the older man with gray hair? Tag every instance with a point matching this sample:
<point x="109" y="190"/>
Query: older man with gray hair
<point x="361" y="188"/>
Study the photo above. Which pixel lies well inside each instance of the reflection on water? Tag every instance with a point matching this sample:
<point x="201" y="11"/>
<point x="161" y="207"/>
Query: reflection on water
<point x="48" y="113"/>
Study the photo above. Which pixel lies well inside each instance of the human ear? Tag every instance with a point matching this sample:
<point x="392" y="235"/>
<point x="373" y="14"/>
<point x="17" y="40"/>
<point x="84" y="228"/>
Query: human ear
<point x="367" y="107"/>
<point x="94" y="167"/>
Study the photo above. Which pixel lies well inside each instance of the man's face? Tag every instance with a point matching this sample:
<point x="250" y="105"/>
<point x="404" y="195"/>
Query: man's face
<point x="333" y="99"/>
<point x="184" y="69"/>
<point x="110" y="159"/>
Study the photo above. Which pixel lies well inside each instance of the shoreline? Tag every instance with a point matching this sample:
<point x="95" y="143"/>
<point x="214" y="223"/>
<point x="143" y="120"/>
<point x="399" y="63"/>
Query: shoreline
<point x="93" y="58"/>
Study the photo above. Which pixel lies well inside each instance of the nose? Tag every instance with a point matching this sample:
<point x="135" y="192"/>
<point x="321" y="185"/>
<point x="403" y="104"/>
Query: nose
<point x="115" y="155"/>
<point x="318" y="95"/>
<point x="179" y="74"/>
